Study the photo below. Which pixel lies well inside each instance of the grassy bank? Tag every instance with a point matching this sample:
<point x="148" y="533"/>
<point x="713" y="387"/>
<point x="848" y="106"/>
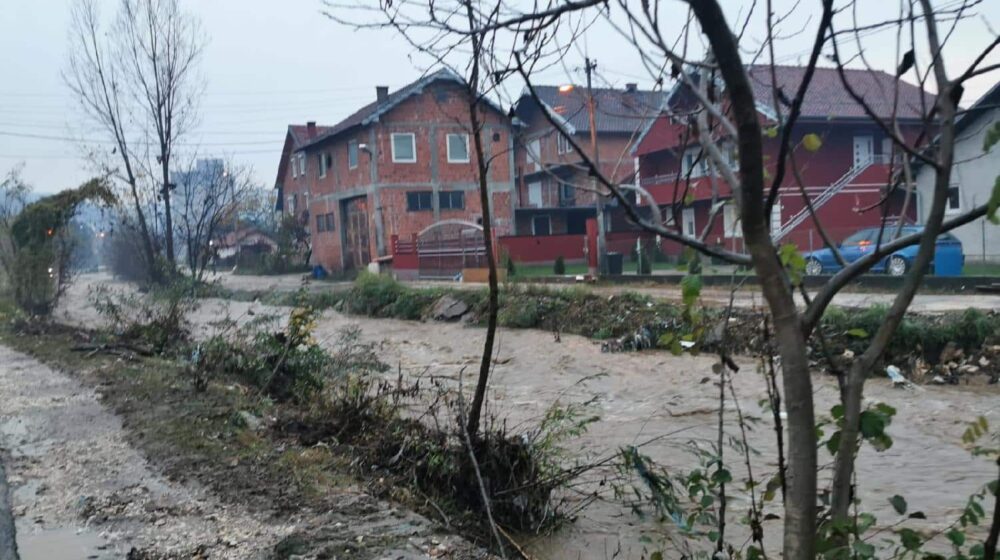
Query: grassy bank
<point x="634" y="321"/>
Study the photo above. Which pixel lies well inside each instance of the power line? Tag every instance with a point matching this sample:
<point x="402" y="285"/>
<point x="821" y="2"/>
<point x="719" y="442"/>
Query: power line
<point x="92" y="141"/>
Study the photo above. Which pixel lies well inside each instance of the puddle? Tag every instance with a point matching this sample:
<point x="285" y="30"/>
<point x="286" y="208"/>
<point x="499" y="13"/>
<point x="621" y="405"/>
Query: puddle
<point x="62" y="544"/>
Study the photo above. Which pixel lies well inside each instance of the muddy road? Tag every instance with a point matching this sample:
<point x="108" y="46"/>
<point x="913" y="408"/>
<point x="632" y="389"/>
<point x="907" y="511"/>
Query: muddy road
<point x="641" y="396"/>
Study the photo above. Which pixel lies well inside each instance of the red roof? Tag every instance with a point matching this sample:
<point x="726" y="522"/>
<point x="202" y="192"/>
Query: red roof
<point x="827" y="96"/>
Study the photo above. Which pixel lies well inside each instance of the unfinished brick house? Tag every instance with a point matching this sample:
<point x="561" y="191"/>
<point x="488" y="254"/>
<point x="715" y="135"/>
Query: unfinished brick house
<point x="553" y="195"/>
<point x="394" y="168"/>
<point x="845" y="178"/>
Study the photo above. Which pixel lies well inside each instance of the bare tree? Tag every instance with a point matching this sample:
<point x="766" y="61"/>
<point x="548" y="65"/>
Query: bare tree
<point x="725" y="112"/>
<point x="209" y="197"/>
<point x="137" y="80"/>
<point x="14" y="195"/>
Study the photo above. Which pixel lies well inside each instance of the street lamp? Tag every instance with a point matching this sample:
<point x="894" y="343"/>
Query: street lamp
<point x="566" y="88"/>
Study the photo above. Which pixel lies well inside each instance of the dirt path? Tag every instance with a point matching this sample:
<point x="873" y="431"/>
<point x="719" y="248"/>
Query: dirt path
<point x="643" y="395"/>
<point x="81" y="491"/>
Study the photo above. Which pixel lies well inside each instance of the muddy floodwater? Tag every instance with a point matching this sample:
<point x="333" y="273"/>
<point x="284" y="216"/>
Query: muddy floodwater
<point x="641" y="396"/>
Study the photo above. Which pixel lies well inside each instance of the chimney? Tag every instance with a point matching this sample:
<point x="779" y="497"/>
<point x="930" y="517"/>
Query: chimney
<point x="381" y="93"/>
<point x="631" y="87"/>
<point x="311" y="129"/>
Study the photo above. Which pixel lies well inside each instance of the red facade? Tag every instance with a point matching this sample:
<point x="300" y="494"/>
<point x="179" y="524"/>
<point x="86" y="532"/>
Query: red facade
<point x="846" y="178"/>
<point x="394" y="168"/>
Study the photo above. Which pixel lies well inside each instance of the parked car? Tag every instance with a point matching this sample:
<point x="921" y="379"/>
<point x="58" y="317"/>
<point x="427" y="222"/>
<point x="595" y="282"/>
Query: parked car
<point x="948" y="258"/>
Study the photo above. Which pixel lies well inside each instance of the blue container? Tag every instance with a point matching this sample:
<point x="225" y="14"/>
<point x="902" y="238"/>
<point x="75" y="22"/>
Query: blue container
<point x="319" y="272"/>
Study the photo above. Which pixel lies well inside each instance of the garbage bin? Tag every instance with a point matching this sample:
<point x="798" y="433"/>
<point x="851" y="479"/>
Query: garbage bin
<point x="616" y="262"/>
<point x="319" y="272"/>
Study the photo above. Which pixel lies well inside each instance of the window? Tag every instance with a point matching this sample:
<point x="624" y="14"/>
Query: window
<point x="562" y="144"/>
<point x="954" y="200"/>
<point x="404" y="149"/>
<point x="320" y="223"/>
<point x="458" y="148"/>
<point x="419" y="200"/>
<point x="687" y="215"/>
<point x="451" y="200"/>
<point x="567" y="194"/>
<point x="694" y="162"/>
<point x="535" y="194"/>
<point x="862" y="237"/>
<point x="293" y="161"/>
<point x="329" y="222"/>
<point x="541" y="225"/>
<point x="535" y="154"/>
<point x="290" y="206"/>
<point x="324" y="164"/>
<point x="731" y="220"/>
<point x="352" y="154"/>
<point x="302" y="165"/>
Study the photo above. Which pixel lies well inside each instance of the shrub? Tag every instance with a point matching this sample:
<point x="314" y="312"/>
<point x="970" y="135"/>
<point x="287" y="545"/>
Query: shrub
<point x="559" y="267"/>
<point x="157" y="324"/>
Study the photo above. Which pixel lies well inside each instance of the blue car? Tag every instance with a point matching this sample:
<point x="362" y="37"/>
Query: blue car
<point x="948" y="257"/>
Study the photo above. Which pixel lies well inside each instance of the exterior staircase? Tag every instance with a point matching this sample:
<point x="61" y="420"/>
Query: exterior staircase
<point x="824" y="197"/>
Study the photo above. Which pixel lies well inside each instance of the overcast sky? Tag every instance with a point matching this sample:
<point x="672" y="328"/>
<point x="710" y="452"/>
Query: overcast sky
<point x="270" y="63"/>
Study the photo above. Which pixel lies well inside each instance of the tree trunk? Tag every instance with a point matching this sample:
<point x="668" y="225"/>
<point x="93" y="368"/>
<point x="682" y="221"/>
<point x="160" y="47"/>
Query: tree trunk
<point x="168" y="222"/>
<point x="800" y="503"/>
<point x="8" y="540"/>
<point x="846" y="452"/>
<point x="482" y="165"/>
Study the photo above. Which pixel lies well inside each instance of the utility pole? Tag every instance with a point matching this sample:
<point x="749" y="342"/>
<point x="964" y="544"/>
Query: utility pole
<point x="602" y="255"/>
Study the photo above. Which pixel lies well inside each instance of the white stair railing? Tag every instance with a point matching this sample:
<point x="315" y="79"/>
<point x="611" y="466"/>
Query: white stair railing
<point x="825" y="196"/>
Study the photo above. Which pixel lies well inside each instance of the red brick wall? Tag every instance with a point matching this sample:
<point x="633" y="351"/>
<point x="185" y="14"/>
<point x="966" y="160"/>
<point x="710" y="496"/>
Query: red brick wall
<point x="430" y="116"/>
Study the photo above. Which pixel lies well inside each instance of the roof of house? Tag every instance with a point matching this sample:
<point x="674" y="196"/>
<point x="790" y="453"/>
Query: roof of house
<point x="827" y="96"/>
<point x="371" y="112"/>
<point x="616" y="110"/>
<point x="989" y="100"/>
<point x="300" y="133"/>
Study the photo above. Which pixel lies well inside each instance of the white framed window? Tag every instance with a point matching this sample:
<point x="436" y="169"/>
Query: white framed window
<point x="324" y="160"/>
<point x="458" y="148"/>
<point x="954" y="200"/>
<point x="294" y="163"/>
<point x="687" y="217"/>
<point x="290" y="203"/>
<point x="776" y="217"/>
<point x="404" y="147"/>
<point x="352" y="154"/>
<point x="731" y="220"/>
<point x="302" y="165"/>
<point x="695" y="162"/>
<point x="562" y="144"/>
<point x="535" y="154"/>
<point x="535" y="194"/>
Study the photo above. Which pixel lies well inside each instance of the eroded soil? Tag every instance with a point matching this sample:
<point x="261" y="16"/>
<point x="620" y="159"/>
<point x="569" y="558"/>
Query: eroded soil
<point x="654" y="395"/>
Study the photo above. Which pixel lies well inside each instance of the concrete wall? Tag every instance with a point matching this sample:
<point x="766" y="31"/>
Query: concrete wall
<point x="975" y="173"/>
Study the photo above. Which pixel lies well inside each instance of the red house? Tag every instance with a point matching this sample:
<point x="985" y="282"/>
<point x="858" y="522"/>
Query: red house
<point x="845" y="178"/>
<point x="554" y="188"/>
<point x="393" y="168"/>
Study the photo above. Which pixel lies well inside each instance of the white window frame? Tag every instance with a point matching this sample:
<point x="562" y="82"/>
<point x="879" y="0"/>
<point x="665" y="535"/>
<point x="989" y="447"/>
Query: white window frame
<point x="293" y="161"/>
<point x="688" y="217"/>
<point x="948" y="209"/>
<point x="353" y="147"/>
<point x="535" y="153"/>
<point x="541" y="197"/>
<point x="413" y="142"/>
<point x="731" y="221"/>
<point x="562" y="144"/>
<point x="322" y="165"/>
<point x="448" y="143"/>
<point x="302" y="164"/>
<point x="700" y="168"/>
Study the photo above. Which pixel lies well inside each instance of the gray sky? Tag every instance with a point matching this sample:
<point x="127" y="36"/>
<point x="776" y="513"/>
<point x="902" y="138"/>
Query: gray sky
<point x="272" y="63"/>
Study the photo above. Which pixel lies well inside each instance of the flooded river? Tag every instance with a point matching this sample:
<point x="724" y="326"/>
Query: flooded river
<point x="645" y="395"/>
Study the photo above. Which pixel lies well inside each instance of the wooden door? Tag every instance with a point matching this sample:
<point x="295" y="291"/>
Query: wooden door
<point x="357" y="254"/>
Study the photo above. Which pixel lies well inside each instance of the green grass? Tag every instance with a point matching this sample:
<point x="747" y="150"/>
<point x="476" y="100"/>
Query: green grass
<point x="981" y="269"/>
<point x="535" y="270"/>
